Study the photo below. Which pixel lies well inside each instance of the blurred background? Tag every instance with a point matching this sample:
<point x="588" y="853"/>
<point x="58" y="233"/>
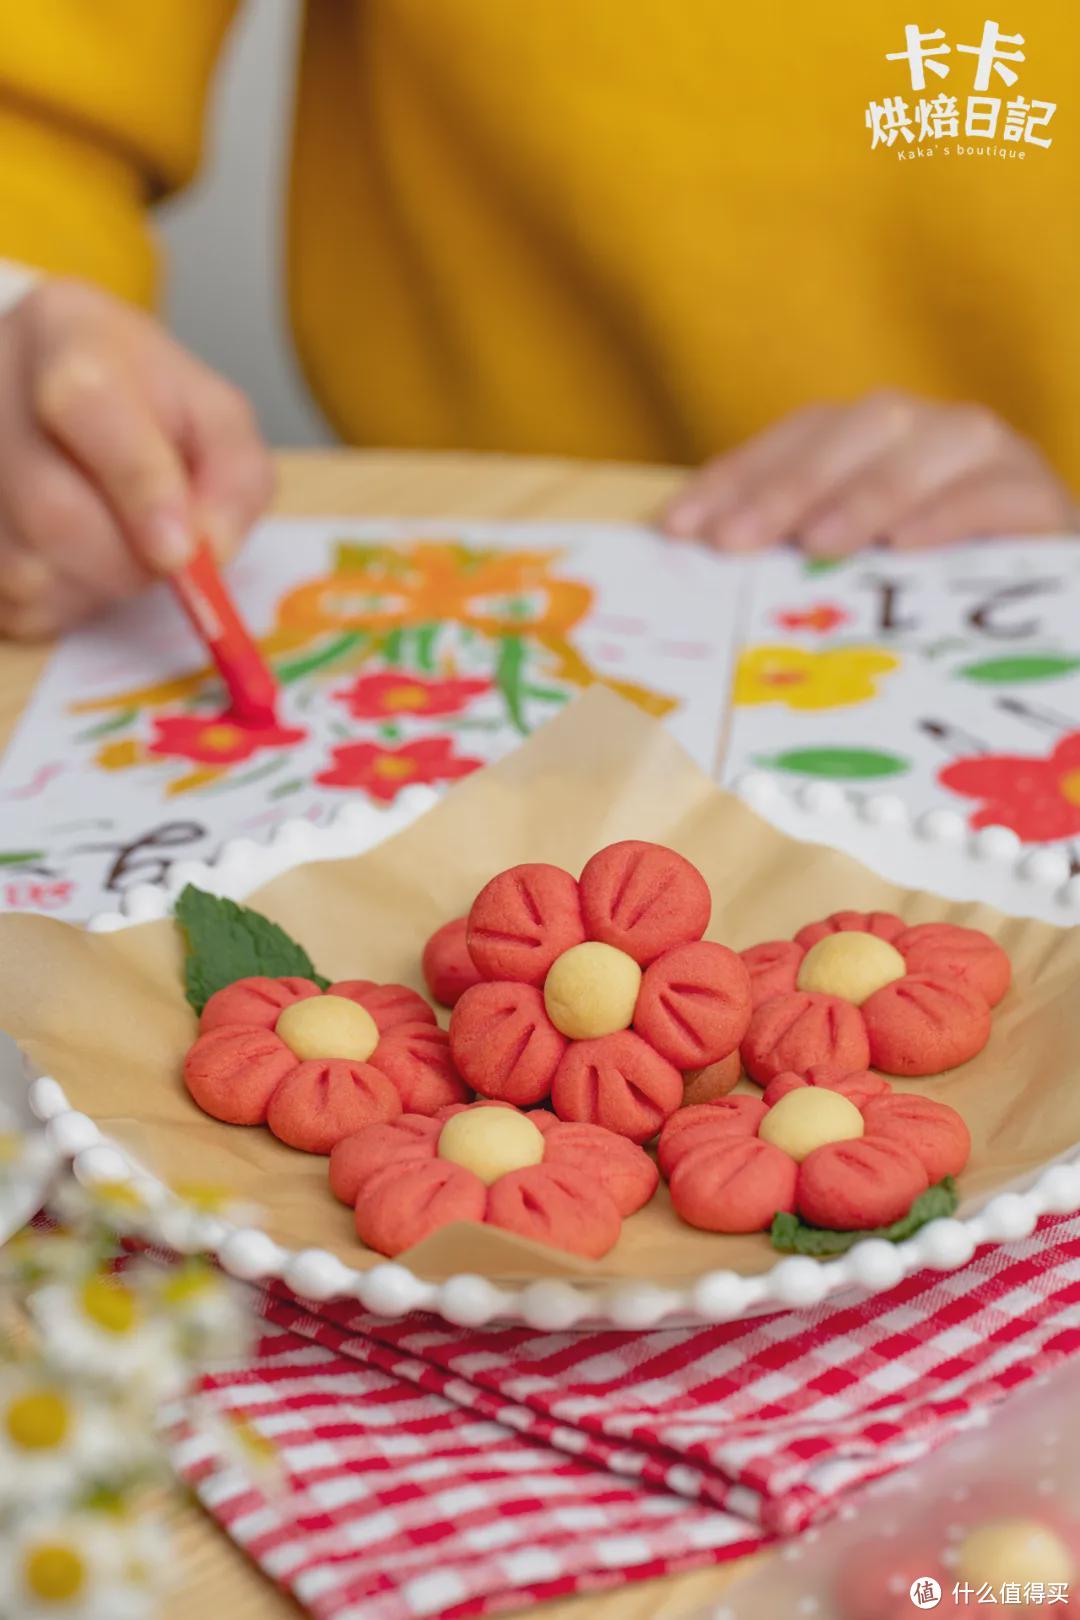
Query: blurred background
<point x="223" y="239"/>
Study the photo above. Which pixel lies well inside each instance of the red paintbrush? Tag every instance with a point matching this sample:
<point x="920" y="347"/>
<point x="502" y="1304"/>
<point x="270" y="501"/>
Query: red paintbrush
<point x="206" y="601"/>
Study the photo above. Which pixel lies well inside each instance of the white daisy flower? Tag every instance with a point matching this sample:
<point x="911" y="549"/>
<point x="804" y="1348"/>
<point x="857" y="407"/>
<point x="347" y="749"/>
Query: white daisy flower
<point x="55" y="1444"/>
<point x="76" y="1568"/>
<point x="211" y="1323"/>
<point x="99" y="1330"/>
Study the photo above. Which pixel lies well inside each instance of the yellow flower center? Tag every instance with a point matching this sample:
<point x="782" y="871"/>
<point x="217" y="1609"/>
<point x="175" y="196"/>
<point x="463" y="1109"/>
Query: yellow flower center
<point x="38" y="1421"/>
<point x="189" y="1283"/>
<point x="491" y="1142"/>
<point x="394" y="767"/>
<point x="405" y="697"/>
<point x="1069" y="787"/>
<point x="202" y="1196"/>
<point x="11" y="1147"/>
<point x="328" y="1027"/>
<point x="220" y="738"/>
<point x="810" y="1118"/>
<point x="118" y="1193"/>
<point x="54" y="1572"/>
<point x="592" y="990"/>
<point x="850" y="964"/>
<point x="110" y="1305"/>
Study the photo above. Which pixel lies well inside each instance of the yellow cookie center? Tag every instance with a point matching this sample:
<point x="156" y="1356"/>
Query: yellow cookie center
<point x="1014" y="1552"/>
<point x="1069" y="786"/>
<point x="38" y="1421"/>
<point x="592" y="990"/>
<point x="328" y="1027"/>
<point x="491" y="1142"/>
<point x="54" y="1572"/>
<point x="852" y="965"/>
<point x="809" y="1118"/>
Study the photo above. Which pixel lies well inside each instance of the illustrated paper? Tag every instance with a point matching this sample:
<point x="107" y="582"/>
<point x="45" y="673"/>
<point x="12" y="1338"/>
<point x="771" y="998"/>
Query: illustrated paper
<point x="405" y="654"/>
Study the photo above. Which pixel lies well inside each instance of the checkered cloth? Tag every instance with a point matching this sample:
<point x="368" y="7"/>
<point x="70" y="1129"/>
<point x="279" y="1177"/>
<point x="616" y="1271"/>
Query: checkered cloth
<point x="438" y="1471"/>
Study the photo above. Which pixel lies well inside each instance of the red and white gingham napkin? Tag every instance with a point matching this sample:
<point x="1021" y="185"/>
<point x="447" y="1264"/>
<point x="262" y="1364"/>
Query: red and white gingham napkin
<point x="439" y="1471"/>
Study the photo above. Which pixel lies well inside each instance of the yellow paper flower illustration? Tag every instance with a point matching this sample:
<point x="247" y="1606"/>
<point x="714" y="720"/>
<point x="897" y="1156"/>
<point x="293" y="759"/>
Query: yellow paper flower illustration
<point x="810" y="680"/>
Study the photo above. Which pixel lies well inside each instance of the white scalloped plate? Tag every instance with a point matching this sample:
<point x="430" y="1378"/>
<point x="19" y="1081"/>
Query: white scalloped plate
<point x="933" y="852"/>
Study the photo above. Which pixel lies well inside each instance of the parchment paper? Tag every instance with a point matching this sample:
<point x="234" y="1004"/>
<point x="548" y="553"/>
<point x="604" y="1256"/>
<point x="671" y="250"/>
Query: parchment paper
<point x="105" y="1013"/>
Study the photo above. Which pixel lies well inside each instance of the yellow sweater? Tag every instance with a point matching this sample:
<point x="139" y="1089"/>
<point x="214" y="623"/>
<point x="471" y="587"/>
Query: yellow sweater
<point x="627" y="228"/>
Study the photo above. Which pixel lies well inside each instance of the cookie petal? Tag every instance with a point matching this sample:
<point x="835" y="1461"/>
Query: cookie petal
<point x="643" y="899"/>
<point x="946" y="951"/>
<point x="325" y="1099"/>
<point x="773" y="967"/>
<point x="402" y="1205"/>
<point x="933" y="1131"/>
<point x="409" y="1139"/>
<point x="448" y="968"/>
<point x="504" y="1044"/>
<point x="257" y="1001"/>
<point x="625" y="1171"/>
<point x="707" y="1122"/>
<point x="694" y="1004"/>
<point x="922" y="1025"/>
<point x="522" y="920"/>
<point x="556" y="1205"/>
<point x="858" y="1087"/>
<point x="871" y="1181"/>
<point x="805" y="1030"/>
<point x="619" y="1082"/>
<point x="735" y="1185"/>
<point x="712" y="1082"/>
<point x="389" y="1004"/>
<point x="234" y="1069"/>
<point x="416" y="1058"/>
<point x="884" y="924"/>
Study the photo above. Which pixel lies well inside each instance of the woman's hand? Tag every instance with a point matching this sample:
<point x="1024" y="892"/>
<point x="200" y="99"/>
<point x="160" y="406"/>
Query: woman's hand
<point x="890" y="467"/>
<point x="119" y="452"/>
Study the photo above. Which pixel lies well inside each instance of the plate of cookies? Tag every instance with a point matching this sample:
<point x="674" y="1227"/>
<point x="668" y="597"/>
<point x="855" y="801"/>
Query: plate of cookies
<point x="587" y="1042"/>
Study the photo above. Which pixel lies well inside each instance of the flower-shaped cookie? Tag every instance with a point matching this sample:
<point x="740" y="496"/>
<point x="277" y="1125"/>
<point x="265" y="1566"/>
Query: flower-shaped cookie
<point x="849" y="1155"/>
<point x="862" y="988"/>
<point x="600" y="992"/>
<point x="314" y="1066"/>
<point x="566" y="1185"/>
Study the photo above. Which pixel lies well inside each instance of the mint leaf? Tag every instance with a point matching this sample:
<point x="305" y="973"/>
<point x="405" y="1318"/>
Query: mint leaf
<point x="226" y="942"/>
<point x="794" y="1236"/>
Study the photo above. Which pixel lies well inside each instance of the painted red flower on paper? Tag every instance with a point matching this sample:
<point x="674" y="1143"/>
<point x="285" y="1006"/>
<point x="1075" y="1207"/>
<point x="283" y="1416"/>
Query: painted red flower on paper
<point x="821" y="618"/>
<point x="383" y="772"/>
<point x="216" y="739"/>
<point x="1038" y="798"/>
<point x="394" y="695"/>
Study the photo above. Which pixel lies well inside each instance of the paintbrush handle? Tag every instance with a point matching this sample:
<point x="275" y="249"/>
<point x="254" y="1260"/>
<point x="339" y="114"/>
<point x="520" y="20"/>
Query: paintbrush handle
<point x="206" y="601"/>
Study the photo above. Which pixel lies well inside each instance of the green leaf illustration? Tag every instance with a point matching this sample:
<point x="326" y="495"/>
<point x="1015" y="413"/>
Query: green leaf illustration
<point x="793" y="1236"/>
<point x="225" y="942"/>
<point x="812" y="566"/>
<point x="837" y="764"/>
<point x="1025" y="667"/>
<point x="20" y="857"/>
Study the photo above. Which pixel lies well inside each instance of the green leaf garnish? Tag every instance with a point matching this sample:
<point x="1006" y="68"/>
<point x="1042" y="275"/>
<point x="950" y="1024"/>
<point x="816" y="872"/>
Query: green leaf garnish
<point x="794" y="1236"/>
<point x="226" y="942"/>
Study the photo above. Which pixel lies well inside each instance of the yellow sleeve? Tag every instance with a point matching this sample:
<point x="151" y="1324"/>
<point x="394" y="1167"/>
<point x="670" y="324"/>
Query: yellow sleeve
<point x="101" y="113"/>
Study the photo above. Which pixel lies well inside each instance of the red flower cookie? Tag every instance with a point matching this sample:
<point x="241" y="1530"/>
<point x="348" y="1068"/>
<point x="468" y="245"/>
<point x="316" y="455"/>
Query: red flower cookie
<point x="448" y="968"/>
<point x="847" y="1155"/>
<point x="600" y="992"/>
<point x="316" y="1067"/>
<point x="568" y="1185"/>
<point x="861" y="989"/>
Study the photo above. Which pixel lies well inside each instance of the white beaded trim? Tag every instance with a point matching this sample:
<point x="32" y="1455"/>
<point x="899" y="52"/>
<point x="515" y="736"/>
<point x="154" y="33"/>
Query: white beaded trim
<point x="1035" y="882"/>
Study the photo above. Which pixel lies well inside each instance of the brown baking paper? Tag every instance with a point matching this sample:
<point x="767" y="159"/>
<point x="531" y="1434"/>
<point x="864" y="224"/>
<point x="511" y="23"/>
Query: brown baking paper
<point x="105" y="1013"/>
